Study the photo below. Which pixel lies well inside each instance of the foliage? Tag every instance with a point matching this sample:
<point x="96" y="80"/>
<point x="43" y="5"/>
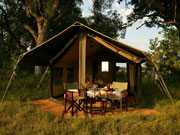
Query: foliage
<point x="155" y="12"/>
<point x="121" y="75"/>
<point x="25" y="24"/>
<point x="166" y="52"/>
<point x="110" y="24"/>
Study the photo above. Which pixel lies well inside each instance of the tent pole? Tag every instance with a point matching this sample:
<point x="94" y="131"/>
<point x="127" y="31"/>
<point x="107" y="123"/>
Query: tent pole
<point x="52" y="78"/>
<point x="10" y="80"/>
<point x="166" y="89"/>
<point x="162" y="83"/>
<point x="82" y="59"/>
<point x="42" y="78"/>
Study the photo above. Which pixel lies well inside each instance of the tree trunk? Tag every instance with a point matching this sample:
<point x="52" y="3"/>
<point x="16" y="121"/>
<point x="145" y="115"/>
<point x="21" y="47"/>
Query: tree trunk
<point x="43" y="26"/>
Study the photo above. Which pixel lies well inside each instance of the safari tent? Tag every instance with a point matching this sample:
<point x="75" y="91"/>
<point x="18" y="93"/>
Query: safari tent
<point x="79" y="52"/>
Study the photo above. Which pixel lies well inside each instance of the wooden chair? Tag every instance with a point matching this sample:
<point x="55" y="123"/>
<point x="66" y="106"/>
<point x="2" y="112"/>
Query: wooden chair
<point x="97" y="110"/>
<point x="115" y="101"/>
<point x="82" y="98"/>
<point x="69" y="98"/>
<point x="122" y="87"/>
<point x="120" y="98"/>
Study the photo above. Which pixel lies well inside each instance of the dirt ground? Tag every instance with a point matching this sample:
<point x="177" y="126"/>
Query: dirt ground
<point x="56" y="107"/>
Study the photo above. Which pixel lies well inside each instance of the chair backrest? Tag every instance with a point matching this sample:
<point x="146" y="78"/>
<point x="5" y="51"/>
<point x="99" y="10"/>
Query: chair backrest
<point x="70" y="86"/>
<point x="120" y="86"/>
<point x="68" y="95"/>
<point x="82" y="92"/>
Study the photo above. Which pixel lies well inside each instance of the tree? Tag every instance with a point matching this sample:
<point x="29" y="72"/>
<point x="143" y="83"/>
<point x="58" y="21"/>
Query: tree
<point x="110" y="24"/>
<point x="37" y="17"/>
<point x="28" y="23"/>
<point x="166" y="52"/>
<point x="13" y="39"/>
<point x="155" y="12"/>
<point x="107" y="20"/>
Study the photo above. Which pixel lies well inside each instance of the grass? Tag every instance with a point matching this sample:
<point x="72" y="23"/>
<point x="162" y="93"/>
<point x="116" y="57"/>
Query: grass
<point x="23" y="87"/>
<point x="23" y="119"/>
<point x="17" y="117"/>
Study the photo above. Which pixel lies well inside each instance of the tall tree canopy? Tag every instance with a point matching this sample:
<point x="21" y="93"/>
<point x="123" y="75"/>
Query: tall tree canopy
<point x="37" y="16"/>
<point x="28" y="23"/>
<point x="155" y="12"/>
<point x="166" y="52"/>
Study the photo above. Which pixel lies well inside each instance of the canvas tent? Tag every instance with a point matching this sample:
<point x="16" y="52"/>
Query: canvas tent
<point x="77" y="52"/>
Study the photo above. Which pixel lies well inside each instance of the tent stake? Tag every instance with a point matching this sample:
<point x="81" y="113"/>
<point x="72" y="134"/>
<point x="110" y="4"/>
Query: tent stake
<point x="42" y="78"/>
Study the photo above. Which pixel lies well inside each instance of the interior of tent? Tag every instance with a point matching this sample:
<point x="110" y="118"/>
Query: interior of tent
<point x="102" y="66"/>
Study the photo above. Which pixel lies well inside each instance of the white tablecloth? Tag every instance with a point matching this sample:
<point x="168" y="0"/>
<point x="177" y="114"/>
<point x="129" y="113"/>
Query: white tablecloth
<point x="73" y="90"/>
<point x="93" y="93"/>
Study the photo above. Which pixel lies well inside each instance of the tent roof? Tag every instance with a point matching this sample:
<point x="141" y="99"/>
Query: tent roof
<point x="44" y="53"/>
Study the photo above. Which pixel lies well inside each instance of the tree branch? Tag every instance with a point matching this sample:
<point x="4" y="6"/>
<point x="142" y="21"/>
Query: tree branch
<point x="175" y="10"/>
<point x="166" y="22"/>
<point x="30" y="7"/>
<point x="10" y="31"/>
<point x="39" y="7"/>
<point x="13" y="9"/>
<point x="19" y="20"/>
<point x="60" y="15"/>
<point x="32" y="13"/>
<point x="33" y="33"/>
<point x="140" y="26"/>
<point x="63" y="12"/>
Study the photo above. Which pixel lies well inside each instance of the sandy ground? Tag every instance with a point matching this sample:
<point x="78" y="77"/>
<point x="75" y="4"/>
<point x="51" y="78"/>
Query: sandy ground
<point x="56" y="107"/>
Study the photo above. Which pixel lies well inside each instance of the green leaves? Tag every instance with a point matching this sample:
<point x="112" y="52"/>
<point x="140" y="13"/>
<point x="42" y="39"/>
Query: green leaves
<point x="166" y="52"/>
<point x="155" y="12"/>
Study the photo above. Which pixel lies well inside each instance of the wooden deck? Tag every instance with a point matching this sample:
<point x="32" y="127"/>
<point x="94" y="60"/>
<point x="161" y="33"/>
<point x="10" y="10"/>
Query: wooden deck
<point x="56" y="107"/>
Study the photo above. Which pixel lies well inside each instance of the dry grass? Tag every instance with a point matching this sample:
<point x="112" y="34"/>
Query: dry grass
<point x="18" y="117"/>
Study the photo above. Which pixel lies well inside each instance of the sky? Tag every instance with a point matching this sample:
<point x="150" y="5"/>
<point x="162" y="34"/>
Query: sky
<point x="138" y="38"/>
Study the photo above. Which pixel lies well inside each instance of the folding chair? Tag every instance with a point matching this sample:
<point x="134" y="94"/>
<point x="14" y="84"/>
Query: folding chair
<point x="120" y="97"/>
<point x="69" y="98"/>
<point x="82" y="98"/>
